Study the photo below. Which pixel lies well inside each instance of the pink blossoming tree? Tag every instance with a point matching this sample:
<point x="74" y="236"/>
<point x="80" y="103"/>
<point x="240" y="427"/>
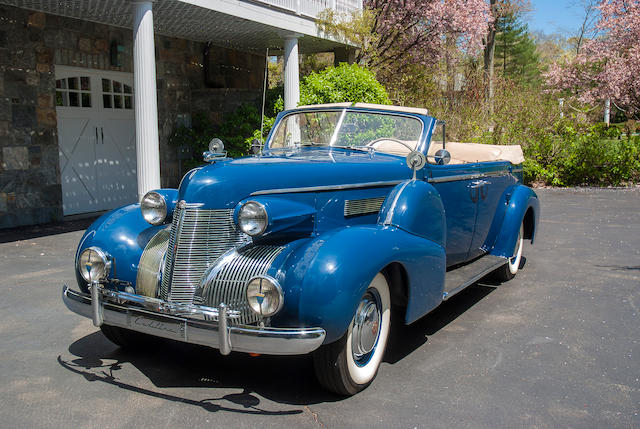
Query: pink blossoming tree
<point x="609" y="66"/>
<point x="393" y="34"/>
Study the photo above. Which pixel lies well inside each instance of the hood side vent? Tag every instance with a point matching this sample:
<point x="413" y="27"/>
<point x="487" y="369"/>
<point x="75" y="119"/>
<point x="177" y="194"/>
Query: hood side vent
<point x="362" y="207"/>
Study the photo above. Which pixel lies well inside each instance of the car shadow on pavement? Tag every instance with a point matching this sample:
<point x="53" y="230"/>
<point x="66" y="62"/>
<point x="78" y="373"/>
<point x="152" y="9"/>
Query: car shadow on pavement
<point x="171" y="364"/>
<point x="284" y="379"/>
<point x="407" y="338"/>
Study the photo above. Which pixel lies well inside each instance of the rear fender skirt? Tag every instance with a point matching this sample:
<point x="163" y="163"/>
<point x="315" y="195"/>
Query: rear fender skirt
<point x="519" y="202"/>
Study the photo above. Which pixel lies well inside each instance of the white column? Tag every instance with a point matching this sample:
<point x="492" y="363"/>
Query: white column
<point x="146" y="99"/>
<point x="607" y="111"/>
<point x="291" y="73"/>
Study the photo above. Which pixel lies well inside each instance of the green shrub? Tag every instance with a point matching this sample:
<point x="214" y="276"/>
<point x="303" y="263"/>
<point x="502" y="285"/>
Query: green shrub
<point x="345" y="83"/>
<point x="588" y="156"/>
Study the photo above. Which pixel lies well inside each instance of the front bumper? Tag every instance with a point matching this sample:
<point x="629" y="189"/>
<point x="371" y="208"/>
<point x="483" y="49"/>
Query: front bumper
<point x="189" y="323"/>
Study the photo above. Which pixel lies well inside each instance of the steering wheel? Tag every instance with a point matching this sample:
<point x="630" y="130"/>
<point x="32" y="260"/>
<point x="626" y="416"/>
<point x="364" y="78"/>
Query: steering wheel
<point x="391" y="139"/>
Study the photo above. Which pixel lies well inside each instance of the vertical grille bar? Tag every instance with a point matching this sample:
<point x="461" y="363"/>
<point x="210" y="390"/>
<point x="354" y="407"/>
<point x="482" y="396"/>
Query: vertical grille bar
<point x="198" y="237"/>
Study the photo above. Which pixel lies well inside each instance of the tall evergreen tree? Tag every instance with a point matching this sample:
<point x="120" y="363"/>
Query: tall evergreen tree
<point x="515" y="51"/>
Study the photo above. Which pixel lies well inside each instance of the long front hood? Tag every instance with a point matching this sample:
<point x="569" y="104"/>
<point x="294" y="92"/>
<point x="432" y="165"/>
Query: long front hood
<point x="224" y="183"/>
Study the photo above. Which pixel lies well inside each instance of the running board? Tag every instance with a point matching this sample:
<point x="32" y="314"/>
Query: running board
<point x="458" y="279"/>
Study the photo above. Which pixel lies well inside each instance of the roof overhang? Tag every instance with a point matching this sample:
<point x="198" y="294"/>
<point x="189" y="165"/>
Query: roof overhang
<point x="239" y="24"/>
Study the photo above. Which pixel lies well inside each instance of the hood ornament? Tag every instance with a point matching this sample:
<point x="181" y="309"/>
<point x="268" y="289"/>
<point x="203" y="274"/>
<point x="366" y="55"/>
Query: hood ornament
<point x="216" y="150"/>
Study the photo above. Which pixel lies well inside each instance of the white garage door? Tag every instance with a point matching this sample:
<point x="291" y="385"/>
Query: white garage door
<point x="96" y="137"/>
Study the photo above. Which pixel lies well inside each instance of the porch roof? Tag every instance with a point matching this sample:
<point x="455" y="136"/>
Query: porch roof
<point x="247" y="25"/>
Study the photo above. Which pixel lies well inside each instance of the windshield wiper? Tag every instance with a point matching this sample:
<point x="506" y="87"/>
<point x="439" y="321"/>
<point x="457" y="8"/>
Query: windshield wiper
<point x="367" y="149"/>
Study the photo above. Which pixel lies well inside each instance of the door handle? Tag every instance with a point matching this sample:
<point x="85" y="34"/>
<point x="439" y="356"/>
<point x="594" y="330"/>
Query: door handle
<point x="102" y="134"/>
<point x="477" y="184"/>
<point x="96" y="135"/>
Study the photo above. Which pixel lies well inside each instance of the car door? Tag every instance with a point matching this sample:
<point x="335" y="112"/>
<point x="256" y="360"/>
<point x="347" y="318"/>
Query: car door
<point x="455" y="184"/>
<point x="493" y="180"/>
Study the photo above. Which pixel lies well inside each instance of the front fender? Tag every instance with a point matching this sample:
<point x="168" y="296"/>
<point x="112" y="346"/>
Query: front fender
<point x="122" y="234"/>
<point x="333" y="271"/>
<point x="522" y="203"/>
<point x="416" y="207"/>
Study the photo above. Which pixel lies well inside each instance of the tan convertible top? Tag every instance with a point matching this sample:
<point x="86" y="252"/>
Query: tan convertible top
<point x="416" y="110"/>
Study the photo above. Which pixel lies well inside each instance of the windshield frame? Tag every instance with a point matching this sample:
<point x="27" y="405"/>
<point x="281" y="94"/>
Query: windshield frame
<point x="425" y="124"/>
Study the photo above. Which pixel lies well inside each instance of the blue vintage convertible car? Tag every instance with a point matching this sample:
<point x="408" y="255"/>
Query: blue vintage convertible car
<point x="350" y="212"/>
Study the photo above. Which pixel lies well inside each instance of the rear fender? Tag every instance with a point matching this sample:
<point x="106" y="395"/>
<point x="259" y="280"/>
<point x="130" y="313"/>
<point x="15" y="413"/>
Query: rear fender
<point x="522" y="202"/>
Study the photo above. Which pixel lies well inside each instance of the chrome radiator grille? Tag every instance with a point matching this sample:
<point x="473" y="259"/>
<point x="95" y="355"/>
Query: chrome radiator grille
<point x="227" y="284"/>
<point x="198" y="237"/>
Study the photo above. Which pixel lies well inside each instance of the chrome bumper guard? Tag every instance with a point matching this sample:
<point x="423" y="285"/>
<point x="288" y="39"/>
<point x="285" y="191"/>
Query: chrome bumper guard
<point x="194" y="324"/>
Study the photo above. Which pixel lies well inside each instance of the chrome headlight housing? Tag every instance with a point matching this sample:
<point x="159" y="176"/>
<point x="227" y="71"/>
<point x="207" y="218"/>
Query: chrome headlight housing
<point x="264" y="295"/>
<point x="93" y="265"/>
<point x="252" y="218"/>
<point x="154" y="208"/>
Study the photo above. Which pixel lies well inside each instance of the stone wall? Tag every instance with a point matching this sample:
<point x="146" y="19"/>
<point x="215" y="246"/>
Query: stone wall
<point x="29" y="174"/>
<point x="32" y="43"/>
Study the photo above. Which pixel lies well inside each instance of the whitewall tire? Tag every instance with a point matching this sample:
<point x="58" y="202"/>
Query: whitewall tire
<point x="351" y="363"/>
<point x="511" y="268"/>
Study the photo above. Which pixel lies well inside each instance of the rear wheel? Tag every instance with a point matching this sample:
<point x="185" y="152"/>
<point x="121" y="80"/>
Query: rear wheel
<point x="351" y="363"/>
<point x="510" y="269"/>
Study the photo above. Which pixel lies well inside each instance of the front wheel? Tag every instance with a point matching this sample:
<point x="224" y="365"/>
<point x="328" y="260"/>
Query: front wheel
<point x="351" y="363"/>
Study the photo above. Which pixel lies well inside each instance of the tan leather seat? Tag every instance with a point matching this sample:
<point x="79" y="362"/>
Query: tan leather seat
<point x="461" y="153"/>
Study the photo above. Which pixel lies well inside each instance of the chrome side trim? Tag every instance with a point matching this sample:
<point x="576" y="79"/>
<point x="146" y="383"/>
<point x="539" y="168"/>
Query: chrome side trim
<point x="327" y="188"/>
<point x="249" y="339"/>
<point x="389" y="217"/>
<point x="469" y="176"/>
<point x="363" y="206"/>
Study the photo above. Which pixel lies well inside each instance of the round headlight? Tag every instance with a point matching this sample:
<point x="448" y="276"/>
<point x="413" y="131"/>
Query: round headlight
<point x="252" y="218"/>
<point x="93" y="265"/>
<point x="154" y="208"/>
<point x="264" y="295"/>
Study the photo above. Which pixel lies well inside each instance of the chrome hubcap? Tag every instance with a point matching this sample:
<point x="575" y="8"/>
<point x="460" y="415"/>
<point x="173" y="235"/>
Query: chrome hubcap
<point x="366" y="327"/>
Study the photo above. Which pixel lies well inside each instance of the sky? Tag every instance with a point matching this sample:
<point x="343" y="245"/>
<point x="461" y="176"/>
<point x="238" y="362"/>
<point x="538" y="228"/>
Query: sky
<point x="555" y="16"/>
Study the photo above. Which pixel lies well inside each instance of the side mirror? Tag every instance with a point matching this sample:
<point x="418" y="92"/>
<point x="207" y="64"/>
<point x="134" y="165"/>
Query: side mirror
<point x="256" y="147"/>
<point x="415" y="161"/>
<point x="442" y="157"/>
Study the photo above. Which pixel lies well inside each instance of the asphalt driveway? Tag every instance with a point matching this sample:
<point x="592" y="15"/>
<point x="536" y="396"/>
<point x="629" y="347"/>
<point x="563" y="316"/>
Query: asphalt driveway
<point x="558" y="346"/>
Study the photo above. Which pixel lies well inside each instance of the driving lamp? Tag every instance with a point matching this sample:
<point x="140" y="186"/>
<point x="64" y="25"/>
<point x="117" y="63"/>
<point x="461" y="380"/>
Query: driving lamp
<point x="154" y="208"/>
<point x="252" y="218"/>
<point x="264" y="295"/>
<point x="93" y="265"/>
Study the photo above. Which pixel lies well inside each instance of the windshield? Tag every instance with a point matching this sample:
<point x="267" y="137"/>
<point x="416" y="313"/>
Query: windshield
<point x="347" y="129"/>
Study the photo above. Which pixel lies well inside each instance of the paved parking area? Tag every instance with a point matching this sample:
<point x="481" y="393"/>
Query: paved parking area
<point x="559" y="346"/>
